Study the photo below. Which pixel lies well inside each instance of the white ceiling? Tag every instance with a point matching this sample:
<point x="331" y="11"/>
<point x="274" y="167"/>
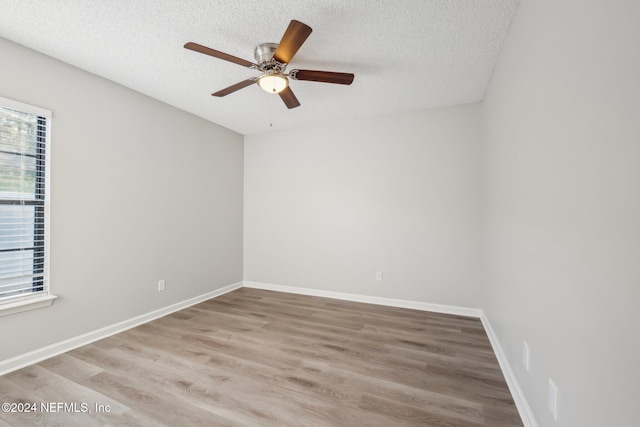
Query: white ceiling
<point x="407" y="55"/>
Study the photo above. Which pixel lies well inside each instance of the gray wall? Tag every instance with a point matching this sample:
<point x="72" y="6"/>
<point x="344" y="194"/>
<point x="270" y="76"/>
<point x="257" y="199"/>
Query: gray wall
<point x="326" y="207"/>
<point x="141" y="191"/>
<point x="561" y="124"/>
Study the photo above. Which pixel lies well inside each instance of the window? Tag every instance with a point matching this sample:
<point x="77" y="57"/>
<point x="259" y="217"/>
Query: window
<point x="24" y="206"/>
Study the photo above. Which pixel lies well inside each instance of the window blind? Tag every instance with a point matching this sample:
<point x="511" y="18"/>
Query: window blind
<point x="23" y="202"/>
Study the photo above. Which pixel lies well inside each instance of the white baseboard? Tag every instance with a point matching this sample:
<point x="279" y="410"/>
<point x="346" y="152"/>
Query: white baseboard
<point x="437" y="308"/>
<point x="518" y="396"/>
<point x="43" y="353"/>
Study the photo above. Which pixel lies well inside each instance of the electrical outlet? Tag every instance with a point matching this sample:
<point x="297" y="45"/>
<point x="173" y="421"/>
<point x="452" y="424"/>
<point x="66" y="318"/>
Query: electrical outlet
<point x="162" y="285"/>
<point x="379" y="276"/>
<point x="525" y="355"/>
<point x="553" y="399"/>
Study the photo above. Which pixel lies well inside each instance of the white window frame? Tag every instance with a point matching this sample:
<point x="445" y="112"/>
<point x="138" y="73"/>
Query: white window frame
<point x="43" y="298"/>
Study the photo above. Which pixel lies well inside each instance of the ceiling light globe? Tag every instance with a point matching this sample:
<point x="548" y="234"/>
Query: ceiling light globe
<point x="273" y="83"/>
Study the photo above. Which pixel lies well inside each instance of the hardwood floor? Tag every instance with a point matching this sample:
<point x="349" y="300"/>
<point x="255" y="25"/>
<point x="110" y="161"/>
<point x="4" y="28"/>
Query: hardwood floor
<point x="261" y="358"/>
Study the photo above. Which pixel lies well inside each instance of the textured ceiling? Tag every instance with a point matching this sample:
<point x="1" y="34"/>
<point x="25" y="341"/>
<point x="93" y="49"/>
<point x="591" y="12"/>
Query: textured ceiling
<point x="406" y="55"/>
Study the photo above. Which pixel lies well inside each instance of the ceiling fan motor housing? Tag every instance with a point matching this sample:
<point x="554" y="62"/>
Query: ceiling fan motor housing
<point x="263" y="54"/>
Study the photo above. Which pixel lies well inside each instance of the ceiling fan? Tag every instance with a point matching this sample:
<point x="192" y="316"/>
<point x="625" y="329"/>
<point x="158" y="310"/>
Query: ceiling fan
<point x="272" y="60"/>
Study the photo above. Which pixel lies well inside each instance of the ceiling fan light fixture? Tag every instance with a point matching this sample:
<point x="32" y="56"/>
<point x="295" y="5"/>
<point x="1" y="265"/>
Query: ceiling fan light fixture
<point x="273" y="83"/>
<point x="272" y="60"/>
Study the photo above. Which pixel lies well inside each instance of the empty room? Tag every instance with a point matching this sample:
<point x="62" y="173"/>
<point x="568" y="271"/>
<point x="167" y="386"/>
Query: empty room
<point x="319" y="213"/>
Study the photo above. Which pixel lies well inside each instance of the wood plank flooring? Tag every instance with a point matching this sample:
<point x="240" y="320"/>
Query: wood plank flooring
<point x="261" y="358"/>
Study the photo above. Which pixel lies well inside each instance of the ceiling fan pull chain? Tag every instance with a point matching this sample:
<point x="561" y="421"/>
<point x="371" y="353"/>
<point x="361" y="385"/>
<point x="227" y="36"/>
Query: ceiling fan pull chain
<point x="271" y="111"/>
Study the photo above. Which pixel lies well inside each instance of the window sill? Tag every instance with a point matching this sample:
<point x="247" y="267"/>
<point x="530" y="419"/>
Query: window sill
<point x="27" y="304"/>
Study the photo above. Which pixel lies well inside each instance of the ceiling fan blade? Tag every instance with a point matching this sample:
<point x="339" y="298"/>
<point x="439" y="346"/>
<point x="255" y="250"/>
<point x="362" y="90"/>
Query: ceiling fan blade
<point x="217" y="54"/>
<point x="322" y="76"/>
<point x="235" y="87"/>
<point x="293" y="38"/>
<point x="289" y="98"/>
